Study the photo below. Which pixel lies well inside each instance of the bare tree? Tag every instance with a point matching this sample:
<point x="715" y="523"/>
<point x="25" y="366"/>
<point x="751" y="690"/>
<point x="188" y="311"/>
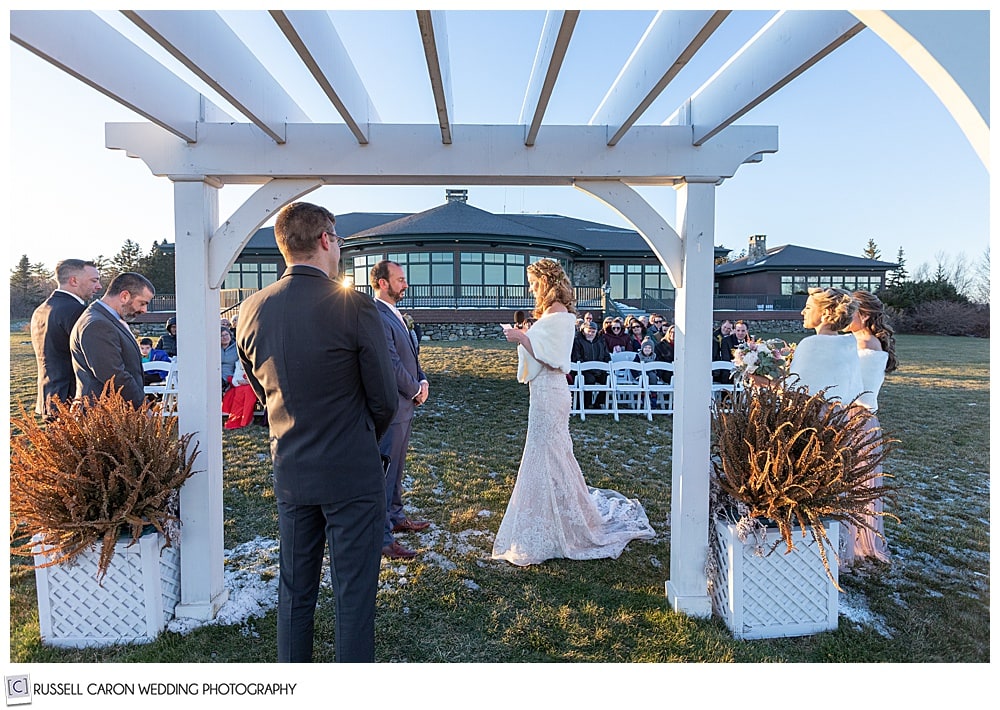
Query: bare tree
<point x="981" y="279"/>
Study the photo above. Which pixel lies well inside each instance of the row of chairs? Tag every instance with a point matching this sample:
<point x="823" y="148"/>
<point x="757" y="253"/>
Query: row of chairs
<point x="630" y="387"/>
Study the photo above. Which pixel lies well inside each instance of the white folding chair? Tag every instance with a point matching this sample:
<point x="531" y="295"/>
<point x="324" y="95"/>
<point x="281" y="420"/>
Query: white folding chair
<point x="167" y="389"/>
<point x="575" y="393"/>
<point x="720" y="391"/>
<point x="629" y="387"/>
<point x="589" y="393"/>
<point x="164" y="366"/>
<point x="661" y="372"/>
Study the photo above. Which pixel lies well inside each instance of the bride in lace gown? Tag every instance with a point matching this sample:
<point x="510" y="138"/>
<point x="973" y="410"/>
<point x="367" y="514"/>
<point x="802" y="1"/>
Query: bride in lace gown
<point x="552" y="511"/>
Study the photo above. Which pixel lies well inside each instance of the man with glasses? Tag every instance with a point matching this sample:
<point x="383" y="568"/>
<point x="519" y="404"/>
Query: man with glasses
<point x="315" y="355"/>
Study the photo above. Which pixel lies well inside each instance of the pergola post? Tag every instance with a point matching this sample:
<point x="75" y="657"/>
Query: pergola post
<point x="196" y="217"/>
<point x="687" y="589"/>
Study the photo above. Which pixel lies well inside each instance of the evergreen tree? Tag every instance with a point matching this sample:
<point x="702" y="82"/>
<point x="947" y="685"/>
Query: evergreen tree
<point x="158" y="267"/>
<point x="29" y="286"/>
<point x="21" y="278"/>
<point x="912" y="293"/>
<point x="899" y="274"/>
<point x="871" y="250"/>
<point x="127" y="258"/>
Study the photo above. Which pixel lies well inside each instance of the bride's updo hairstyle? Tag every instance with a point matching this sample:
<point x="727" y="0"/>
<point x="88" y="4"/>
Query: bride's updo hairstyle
<point x="554" y="286"/>
<point x="873" y="317"/>
<point x="838" y="306"/>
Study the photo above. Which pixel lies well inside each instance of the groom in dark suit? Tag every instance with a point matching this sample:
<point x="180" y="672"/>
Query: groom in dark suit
<point x="102" y="344"/>
<point x="389" y="283"/>
<point x="315" y="355"/>
<point x="51" y="323"/>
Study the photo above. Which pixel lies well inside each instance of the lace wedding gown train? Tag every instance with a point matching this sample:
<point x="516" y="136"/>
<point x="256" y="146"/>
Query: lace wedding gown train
<point x="552" y="511"/>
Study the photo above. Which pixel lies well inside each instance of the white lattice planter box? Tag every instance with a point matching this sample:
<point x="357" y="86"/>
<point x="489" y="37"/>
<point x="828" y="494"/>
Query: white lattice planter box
<point x="132" y="604"/>
<point x="778" y="594"/>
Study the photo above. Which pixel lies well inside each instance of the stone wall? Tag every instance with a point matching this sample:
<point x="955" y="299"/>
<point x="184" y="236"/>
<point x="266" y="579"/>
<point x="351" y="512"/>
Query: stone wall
<point x="587" y="274"/>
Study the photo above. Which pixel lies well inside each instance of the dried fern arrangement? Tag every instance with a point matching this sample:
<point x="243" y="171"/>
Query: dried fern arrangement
<point x="94" y="474"/>
<point x="783" y="456"/>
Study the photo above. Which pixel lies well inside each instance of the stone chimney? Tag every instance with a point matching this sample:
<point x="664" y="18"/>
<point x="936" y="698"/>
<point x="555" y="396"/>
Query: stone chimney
<point x="757" y="249"/>
<point x="456" y="195"/>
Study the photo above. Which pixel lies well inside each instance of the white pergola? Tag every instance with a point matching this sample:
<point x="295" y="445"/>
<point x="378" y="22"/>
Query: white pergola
<point x="273" y="144"/>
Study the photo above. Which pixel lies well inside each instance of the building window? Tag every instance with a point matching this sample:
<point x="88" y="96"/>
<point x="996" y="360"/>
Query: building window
<point x="254" y="275"/>
<point x="801" y="283"/>
<point x="492" y="269"/>
<point x="633" y="281"/>
<point x="363" y="267"/>
<point x="426" y="268"/>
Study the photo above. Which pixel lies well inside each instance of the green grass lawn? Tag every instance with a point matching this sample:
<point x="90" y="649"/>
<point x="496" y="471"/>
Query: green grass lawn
<point x="454" y="604"/>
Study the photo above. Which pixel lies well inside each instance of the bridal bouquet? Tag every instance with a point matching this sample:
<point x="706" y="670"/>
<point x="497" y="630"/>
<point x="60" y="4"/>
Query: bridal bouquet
<point x="769" y="358"/>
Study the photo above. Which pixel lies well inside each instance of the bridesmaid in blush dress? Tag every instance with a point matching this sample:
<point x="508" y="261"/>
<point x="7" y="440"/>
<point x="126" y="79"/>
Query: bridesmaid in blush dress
<point x="552" y="511"/>
<point x="876" y="345"/>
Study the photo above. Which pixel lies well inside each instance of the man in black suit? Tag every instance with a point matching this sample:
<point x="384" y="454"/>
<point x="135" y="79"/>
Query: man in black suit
<point x="316" y="356"/>
<point x="389" y="284"/>
<point x="719" y="352"/>
<point x="102" y="345"/>
<point x="739" y="336"/>
<point x="51" y="323"/>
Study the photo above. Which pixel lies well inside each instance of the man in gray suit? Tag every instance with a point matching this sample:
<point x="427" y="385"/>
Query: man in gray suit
<point x="389" y="283"/>
<point x="102" y="345"/>
<point x="51" y="323"/>
<point x="315" y="355"/>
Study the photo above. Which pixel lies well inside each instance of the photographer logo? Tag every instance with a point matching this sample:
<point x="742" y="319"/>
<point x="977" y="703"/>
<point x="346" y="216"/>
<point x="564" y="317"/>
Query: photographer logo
<point x="18" y="689"/>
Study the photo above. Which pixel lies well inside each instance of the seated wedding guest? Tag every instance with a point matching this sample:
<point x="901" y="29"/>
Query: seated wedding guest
<point x="655" y="329"/>
<point x="587" y="346"/>
<point x="239" y="400"/>
<point x="615" y="337"/>
<point x="665" y="348"/>
<point x="151" y="354"/>
<point x="588" y="319"/>
<point x="739" y="336"/>
<point x="647" y="353"/>
<point x="168" y="341"/>
<point x="647" y="350"/>
<point x="725" y="328"/>
<point x="637" y="331"/>
<point x="520" y="320"/>
<point x="229" y="356"/>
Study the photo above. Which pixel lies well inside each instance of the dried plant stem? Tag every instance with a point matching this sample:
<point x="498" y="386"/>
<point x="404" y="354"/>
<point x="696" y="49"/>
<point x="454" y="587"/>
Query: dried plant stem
<point x="93" y="474"/>
<point x="798" y="459"/>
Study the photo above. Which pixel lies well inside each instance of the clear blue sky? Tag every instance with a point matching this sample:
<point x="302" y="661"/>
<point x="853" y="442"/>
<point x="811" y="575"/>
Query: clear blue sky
<point x="866" y="149"/>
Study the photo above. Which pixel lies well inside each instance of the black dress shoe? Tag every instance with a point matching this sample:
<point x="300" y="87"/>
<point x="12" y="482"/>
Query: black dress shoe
<point x="408" y="525"/>
<point x="395" y="551"/>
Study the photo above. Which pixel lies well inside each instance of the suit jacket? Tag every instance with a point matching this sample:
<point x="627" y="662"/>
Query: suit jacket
<point x="103" y="347"/>
<point x="315" y="355"/>
<point x="51" y="324"/>
<point x="728" y="343"/>
<point x="405" y="361"/>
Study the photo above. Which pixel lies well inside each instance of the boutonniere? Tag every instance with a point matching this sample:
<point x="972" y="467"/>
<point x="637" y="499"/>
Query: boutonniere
<point x="408" y="320"/>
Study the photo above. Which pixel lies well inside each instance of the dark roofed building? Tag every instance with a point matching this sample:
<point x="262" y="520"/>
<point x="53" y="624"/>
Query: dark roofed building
<point x="467" y="265"/>
<point x="790" y="270"/>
